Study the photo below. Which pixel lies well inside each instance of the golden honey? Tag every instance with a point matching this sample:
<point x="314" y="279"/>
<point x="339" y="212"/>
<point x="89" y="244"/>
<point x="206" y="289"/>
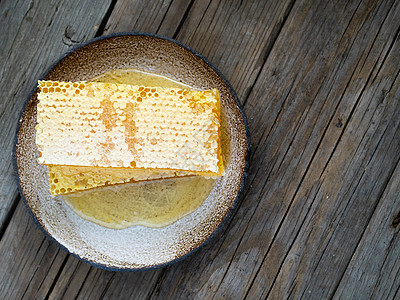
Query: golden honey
<point x="154" y="203"/>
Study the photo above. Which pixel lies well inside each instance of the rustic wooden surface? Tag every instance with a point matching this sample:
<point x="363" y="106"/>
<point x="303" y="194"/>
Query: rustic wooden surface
<point x="320" y="214"/>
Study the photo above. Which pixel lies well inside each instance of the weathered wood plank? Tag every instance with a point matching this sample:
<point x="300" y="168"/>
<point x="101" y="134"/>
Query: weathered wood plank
<point x="176" y="12"/>
<point x="78" y="280"/>
<point x="11" y="15"/>
<point x="34" y="34"/>
<point x="71" y="279"/>
<point x="131" y="286"/>
<point x="96" y="284"/>
<point x="373" y="272"/>
<point x="29" y="261"/>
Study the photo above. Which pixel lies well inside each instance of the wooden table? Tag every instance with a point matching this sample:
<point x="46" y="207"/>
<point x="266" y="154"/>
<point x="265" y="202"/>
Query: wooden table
<point x="319" y="82"/>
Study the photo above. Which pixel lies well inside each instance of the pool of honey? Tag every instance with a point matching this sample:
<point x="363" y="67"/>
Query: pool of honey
<point x="154" y="203"/>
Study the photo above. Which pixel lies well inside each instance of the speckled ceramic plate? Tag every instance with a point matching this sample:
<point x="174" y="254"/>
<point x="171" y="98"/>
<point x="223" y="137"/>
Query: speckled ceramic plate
<point x="137" y="247"/>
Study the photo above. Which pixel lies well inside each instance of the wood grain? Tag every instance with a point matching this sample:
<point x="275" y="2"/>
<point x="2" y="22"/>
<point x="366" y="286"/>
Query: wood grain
<point x="319" y="81"/>
<point x="30" y="262"/>
<point x="375" y="265"/>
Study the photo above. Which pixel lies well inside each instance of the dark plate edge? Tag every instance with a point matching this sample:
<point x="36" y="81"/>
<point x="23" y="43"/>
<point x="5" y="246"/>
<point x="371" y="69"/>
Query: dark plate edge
<point x="235" y="202"/>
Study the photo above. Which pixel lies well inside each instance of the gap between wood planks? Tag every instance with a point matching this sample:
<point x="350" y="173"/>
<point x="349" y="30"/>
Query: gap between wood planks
<point x="34" y="273"/>
<point x="397" y="292"/>
<point x="165" y="15"/>
<point x="185" y="15"/>
<point x="276" y="31"/>
<point x="9" y="215"/>
<point x="391" y="241"/>
<point x="106" y="287"/>
<point x="84" y="280"/>
<point x="57" y="277"/>
<point x="105" y="19"/>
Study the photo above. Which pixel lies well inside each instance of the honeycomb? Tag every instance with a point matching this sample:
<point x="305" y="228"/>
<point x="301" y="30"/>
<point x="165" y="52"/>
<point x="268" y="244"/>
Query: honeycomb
<point x="132" y="132"/>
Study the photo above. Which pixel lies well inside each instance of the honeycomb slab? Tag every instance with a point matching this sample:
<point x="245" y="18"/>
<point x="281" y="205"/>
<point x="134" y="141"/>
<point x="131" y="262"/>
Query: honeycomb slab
<point x="68" y="179"/>
<point x="132" y="132"/>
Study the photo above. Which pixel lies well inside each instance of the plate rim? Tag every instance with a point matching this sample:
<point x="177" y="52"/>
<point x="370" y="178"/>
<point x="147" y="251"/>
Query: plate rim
<point x="220" y="227"/>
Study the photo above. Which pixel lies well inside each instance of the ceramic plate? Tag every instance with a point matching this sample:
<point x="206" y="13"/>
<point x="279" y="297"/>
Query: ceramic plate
<point x="137" y="247"/>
